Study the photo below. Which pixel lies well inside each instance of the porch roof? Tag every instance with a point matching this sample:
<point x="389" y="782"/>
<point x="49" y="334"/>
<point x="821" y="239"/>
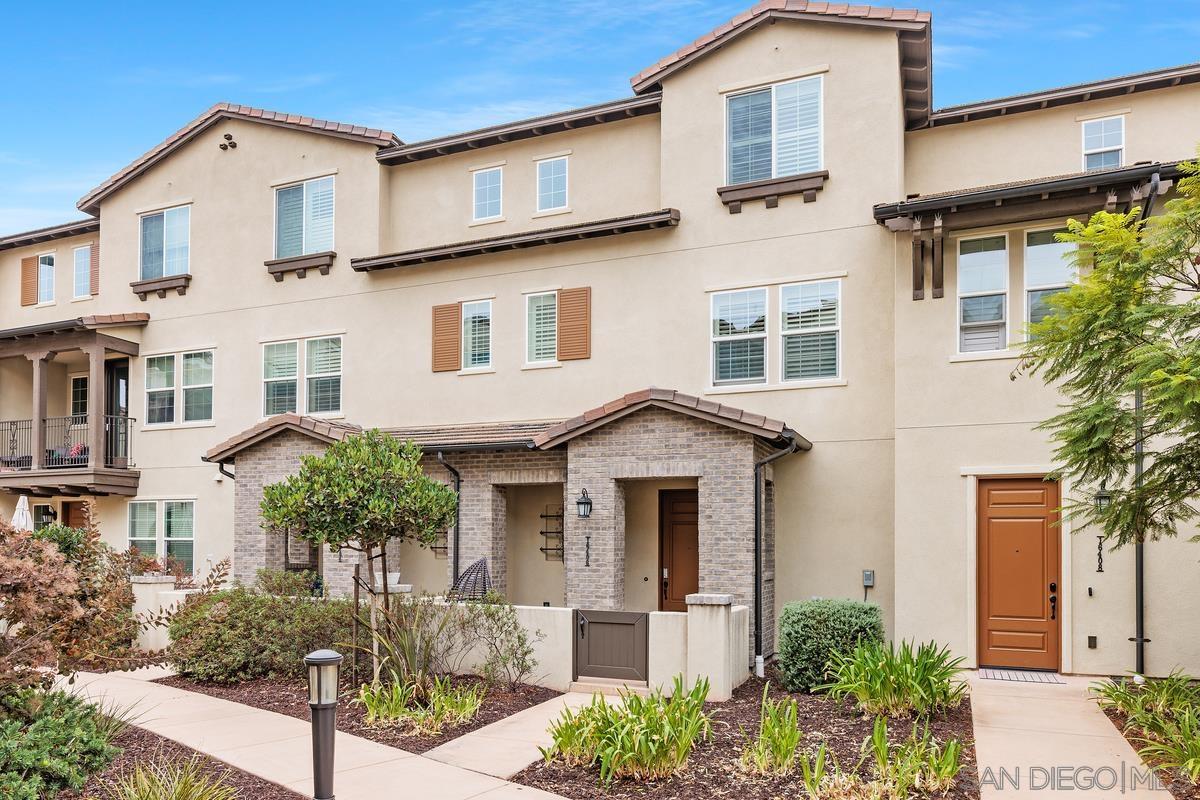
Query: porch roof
<point x="321" y="429"/>
<point x="479" y="436"/>
<point x="90" y="323"/>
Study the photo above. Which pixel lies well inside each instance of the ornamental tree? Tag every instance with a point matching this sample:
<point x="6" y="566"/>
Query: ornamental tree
<point x="1129" y="325"/>
<point x="361" y="493"/>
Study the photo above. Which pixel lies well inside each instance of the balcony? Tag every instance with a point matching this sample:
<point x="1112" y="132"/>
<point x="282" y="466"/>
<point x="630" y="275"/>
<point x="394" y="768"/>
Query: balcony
<point x="66" y="466"/>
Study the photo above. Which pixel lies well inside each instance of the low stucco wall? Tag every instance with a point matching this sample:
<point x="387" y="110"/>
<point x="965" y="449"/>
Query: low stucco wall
<point x="152" y="595"/>
<point x="555" y="652"/>
<point x="668" y="648"/>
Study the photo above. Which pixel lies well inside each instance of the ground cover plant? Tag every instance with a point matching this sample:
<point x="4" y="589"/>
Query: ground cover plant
<point x="897" y="680"/>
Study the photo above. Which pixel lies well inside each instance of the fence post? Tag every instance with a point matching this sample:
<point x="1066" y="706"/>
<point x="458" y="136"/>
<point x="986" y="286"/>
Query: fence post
<point x="708" y="643"/>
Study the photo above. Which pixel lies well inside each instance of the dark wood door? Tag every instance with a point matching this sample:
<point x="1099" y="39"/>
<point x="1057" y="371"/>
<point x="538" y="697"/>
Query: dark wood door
<point x="1020" y="607"/>
<point x="679" y="547"/>
<point x="73" y="514"/>
<point x="612" y="644"/>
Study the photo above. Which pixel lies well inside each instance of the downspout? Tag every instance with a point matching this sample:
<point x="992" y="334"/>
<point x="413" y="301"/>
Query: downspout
<point x="221" y="468"/>
<point x="794" y="444"/>
<point x="457" y="478"/>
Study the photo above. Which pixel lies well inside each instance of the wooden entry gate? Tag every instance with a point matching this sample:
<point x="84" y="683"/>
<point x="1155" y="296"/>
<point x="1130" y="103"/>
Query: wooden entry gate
<point x="612" y="644"/>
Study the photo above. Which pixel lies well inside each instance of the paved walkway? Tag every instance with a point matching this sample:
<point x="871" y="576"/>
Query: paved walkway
<point x="1052" y="738"/>
<point x="279" y="748"/>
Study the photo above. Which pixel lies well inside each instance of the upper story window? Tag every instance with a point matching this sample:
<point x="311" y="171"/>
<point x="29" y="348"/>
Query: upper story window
<point x="321" y="376"/>
<point x="83" y="272"/>
<point x="179" y="381"/>
<point x="166" y="237"/>
<point x="1103" y="143"/>
<point x="1048" y="271"/>
<point x="739" y="336"/>
<point x="477" y="334"/>
<point x="488" y="186"/>
<point x="541" y="328"/>
<point x="811" y="326"/>
<point x="304" y="218"/>
<point x="982" y="294"/>
<point x="552" y="184"/>
<point x="774" y="132"/>
<point x="45" y="278"/>
<point x="79" y="398"/>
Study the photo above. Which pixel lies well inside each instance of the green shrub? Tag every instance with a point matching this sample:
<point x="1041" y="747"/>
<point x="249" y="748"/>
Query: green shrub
<point x="812" y="631"/>
<point x="891" y="680"/>
<point x="172" y="780"/>
<point x="240" y="634"/>
<point x="69" y="541"/>
<point x="1163" y="714"/>
<point x="303" y="583"/>
<point x="641" y="738"/>
<point x="773" y="752"/>
<point x="50" y="741"/>
<point x="423" y="709"/>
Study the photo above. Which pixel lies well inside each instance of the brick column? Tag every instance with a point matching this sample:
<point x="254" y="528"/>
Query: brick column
<point x="594" y="548"/>
<point x="482" y="523"/>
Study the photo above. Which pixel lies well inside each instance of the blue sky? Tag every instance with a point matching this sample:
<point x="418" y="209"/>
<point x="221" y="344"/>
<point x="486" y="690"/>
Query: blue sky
<point x="86" y="88"/>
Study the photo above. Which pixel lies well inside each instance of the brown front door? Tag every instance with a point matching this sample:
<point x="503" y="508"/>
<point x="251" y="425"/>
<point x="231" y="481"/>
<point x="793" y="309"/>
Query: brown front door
<point x="73" y="514"/>
<point x="1019" y="556"/>
<point x="679" y="547"/>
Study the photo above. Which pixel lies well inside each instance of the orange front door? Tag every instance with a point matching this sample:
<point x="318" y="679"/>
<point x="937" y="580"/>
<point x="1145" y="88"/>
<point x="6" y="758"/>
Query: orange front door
<point x="1019" y="556"/>
<point x="679" y="547"/>
<point x="73" y="514"/>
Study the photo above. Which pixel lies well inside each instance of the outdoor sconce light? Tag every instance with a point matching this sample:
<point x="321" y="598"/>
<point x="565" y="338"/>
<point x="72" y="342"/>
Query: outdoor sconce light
<point x="322" y="701"/>
<point x="584" y="504"/>
<point x="1103" y="498"/>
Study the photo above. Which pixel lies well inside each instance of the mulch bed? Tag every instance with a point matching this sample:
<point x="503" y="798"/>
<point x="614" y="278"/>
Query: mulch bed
<point x="142" y="747"/>
<point x="714" y="771"/>
<point x="291" y="698"/>
<point x="1178" y="785"/>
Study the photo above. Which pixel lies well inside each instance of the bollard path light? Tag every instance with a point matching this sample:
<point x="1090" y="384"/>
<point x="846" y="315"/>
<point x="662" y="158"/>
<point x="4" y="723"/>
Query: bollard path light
<point x="322" y="700"/>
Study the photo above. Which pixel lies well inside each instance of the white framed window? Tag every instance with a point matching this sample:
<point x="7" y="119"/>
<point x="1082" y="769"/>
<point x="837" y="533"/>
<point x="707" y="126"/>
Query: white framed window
<point x="45" y="278"/>
<point x="739" y="336"/>
<point x="774" y="131"/>
<point x="83" y="272"/>
<point x="44" y="514"/>
<point x="166" y="243"/>
<point x="810" y="323"/>
<point x="488" y="189"/>
<point x="1103" y="143"/>
<point x="541" y="327"/>
<point x="477" y="334"/>
<point x="983" y="294"/>
<point x="319" y="373"/>
<point x="304" y="218"/>
<point x="1049" y="270"/>
<point x="164" y="528"/>
<point x="79" y="399"/>
<point x="179" y="388"/>
<point x="552" y="184"/>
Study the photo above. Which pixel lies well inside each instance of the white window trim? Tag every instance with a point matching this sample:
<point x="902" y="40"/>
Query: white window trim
<point x="339" y="374"/>
<point x="275" y="190"/>
<point x="499" y="169"/>
<point x="958" y="323"/>
<point x="478" y="368"/>
<point x="1083" y="140"/>
<point x="566" y="205"/>
<point x="163" y="211"/>
<point x="302" y="377"/>
<point x="53" y="279"/>
<point x="74" y="282"/>
<point x="545" y="362"/>
<point x="836" y="328"/>
<point x="53" y="505"/>
<point x="160" y="525"/>
<point x="1071" y="279"/>
<point x="727" y="96"/>
<point x="178" y="388"/>
<point x="71" y="378"/>
<point x="713" y="338"/>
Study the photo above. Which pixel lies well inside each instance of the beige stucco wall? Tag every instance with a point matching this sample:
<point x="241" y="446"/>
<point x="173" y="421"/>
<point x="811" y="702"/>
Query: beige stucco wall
<point x="642" y="584"/>
<point x="532" y="579"/>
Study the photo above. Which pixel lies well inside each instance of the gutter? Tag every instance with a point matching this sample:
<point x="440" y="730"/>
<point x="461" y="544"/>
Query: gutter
<point x="795" y="442"/>
<point x="456" y="476"/>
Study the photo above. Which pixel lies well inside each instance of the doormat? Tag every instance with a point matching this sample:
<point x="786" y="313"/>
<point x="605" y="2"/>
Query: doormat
<point x="1020" y="675"/>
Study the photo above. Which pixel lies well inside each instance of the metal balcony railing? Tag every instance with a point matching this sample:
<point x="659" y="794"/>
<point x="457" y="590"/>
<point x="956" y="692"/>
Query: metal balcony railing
<point x="67" y="442"/>
<point x="16" y="444"/>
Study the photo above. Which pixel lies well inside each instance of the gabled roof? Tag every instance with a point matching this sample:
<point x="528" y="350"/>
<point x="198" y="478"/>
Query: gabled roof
<point x="913" y="27"/>
<point x="322" y="430"/>
<point x="91" y="201"/>
<point x="63" y="231"/>
<point x="477" y="436"/>
<point x="772" y="430"/>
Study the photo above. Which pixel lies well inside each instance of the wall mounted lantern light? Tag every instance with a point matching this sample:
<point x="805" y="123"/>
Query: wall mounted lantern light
<point x="584" y="504"/>
<point x="1103" y="498"/>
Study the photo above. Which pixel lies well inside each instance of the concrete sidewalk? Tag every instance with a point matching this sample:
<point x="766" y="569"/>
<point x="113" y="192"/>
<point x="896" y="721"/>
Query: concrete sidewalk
<point x="279" y="748"/>
<point x="1033" y="739"/>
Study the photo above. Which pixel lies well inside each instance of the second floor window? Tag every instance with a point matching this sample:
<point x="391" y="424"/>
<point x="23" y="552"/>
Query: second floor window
<point x="982" y="294"/>
<point x="166" y="237"/>
<point x="1048" y="271"/>
<point x="477" y="334"/>
<point x="774" y="132"/>
<point x="79" y="398"/>
<point x="321" y="378"/>
<point x="176" y="519"/>
<point x="811" y="317"/>
<point x="83" y="272"/>
<point x="541" y="328"/>
<point x="45" y="279"/>
<point x="179" y="388"/>
<point x="739" y="337"/>
<point x="488" y="184"/>
<point x="1103" y="143"/>
<point x="552" y="184"/>
<point x="304" y="218"/>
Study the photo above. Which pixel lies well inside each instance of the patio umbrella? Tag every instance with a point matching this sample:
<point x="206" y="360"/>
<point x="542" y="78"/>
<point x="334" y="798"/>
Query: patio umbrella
<point x="22" y="520"/>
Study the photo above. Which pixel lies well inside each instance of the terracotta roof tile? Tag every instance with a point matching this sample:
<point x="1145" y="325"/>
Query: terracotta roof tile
<point x="473" y="436"/>
<point x="331" y="430"/>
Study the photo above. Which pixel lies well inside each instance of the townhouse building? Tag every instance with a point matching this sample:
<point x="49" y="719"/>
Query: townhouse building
<point x="763" y="314"/>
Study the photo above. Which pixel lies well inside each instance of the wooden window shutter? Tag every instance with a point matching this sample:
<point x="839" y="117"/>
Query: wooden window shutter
<point x="574" y="323"/>
<point x="29" y="281"/>
<point x="95" y="267"/>
<point x="447" y="338"/>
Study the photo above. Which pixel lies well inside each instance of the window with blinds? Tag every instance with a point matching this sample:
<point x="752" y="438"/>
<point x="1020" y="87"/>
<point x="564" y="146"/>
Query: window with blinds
<point x="739" y="336"/>
<point x="810" y="316"/>
<point x="487" y="185"/>
<point x="552" y="184"/>
<point x="197" y="386"/>
<point x="1049" y="270"/>
<point x="982" y="294"/>
<point x="82" y="274"/>
<point x="165" y="246"/>
<point x="179" y="388"/>
<point x="160" y="390"/>
<point x="45" y="278"/>
<point x="323" y="375"/>
<point x="774" y="132"/>
<point x="320" y="375"/>
<point x="179" y="531"/>
<point x="143" y="526"/>
<point x="281" y="372"/>
<point x="541" y="327"/>
<point x="304" y="218"/>
<point x="477" y="334"/>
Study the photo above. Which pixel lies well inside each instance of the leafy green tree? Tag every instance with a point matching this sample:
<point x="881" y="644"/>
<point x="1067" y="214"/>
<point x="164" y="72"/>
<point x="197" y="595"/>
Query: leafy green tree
<point x="1129" y="325"/>
<point x="361" y="493"/>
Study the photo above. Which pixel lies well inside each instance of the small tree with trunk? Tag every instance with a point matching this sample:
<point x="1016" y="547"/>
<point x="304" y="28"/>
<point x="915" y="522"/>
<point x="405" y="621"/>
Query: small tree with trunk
<point x="1129" y="328"/>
